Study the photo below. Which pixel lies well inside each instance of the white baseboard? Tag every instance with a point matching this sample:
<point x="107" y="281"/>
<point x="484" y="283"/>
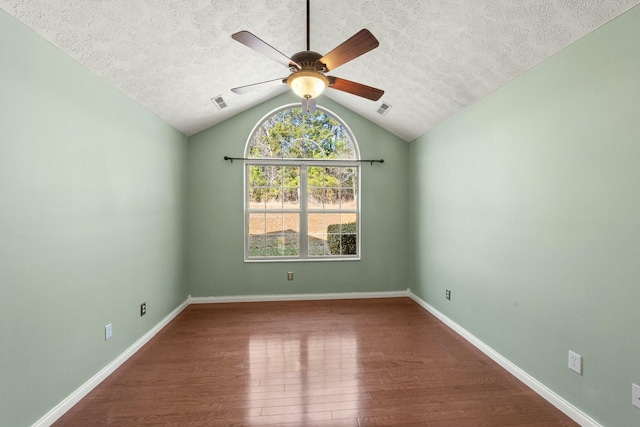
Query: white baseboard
<point x="571" y="411"/>
<point x="574" y="413"/>
<point x="296" y="297"/>
<point x="61" y="408"/>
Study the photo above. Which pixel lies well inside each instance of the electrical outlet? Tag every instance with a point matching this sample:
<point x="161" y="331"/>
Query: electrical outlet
<point x="108" y="331"/>
<point x="635" y="393"/>
<point x="143" y="309"/>
<point x="448" y="294"/>
<point x="290" y="275"/>
<point x="575" y="362"/>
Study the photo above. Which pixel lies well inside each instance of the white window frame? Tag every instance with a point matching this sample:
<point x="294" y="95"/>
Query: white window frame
<point x="303" y="210"/>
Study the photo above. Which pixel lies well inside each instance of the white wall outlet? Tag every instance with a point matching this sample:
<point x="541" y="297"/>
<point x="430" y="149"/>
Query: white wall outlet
<point x="108" y="331"/>
<point x="575" y="362"/>
<point x="635" y="392"/>
<point x="290" y="275"/>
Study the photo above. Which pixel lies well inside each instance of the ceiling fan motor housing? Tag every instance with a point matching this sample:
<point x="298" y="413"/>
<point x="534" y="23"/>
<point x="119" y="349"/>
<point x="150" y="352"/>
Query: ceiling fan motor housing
<point x="308" y="82"/>
<point x="308" y="60"/>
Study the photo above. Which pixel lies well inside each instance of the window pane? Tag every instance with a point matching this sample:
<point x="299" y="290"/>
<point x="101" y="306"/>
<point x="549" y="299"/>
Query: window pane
<point x="291" y="223"/>
<point x="257" y="246"/>
<point x="257" y="198"/>
<point x="292" y="244"/>
<point x="324" y="188"/>
<point x="349" y="177"/>
<point x="274" y="187"/>
<point x="317" y="234"/>
<point x="315" y="223"/>
<point x="274" y="200"/>
<point x="318" y="245"/>
<point x="332" y="234"/>
<point x="347" y="199"/>
<point x="273" y="176"/>
<point x="323" y="136"/>
<point x="257" y="224"/>
<point x="291" y="177"/>
<point x="291" y="187"/>
<point x="291" y="198"/>
<point x="332" y="198"/>
<point x="342" y="235"/>
<point x="315" y="198"/>
<point x="256" y="176"/>
<point x="315" y="186"/>
<point x="347" y="219"/>
<point x="282" y="234"/>
<point x="318" y="222"/>
<point x="348" y="188"/>
<point x="257" y="242"/>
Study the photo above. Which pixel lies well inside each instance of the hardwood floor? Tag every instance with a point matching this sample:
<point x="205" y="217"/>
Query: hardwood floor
<point x="335" y="363"/>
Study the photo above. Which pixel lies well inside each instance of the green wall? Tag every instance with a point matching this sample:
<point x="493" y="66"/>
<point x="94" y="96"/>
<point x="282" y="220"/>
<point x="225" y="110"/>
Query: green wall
<point x="91" y="223"/>
<point x="527" y="206"/>
<point x="524" y="205"/>
<point x="216" y="264"/>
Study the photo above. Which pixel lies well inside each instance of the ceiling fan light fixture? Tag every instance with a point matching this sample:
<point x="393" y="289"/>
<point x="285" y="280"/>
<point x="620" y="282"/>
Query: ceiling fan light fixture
<point x="308" y="84"/>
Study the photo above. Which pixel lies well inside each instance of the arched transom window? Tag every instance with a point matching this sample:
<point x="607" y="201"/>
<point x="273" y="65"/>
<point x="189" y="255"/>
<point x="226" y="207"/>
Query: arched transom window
<point x="302" y="188"/>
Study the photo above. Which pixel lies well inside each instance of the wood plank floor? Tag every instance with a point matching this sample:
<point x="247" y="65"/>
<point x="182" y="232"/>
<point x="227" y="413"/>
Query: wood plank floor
<point x="375" y="362"/>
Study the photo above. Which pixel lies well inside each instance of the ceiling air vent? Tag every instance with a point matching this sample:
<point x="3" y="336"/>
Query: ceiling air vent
<point x="220" y="103"/>
<point x="384" y="109"/>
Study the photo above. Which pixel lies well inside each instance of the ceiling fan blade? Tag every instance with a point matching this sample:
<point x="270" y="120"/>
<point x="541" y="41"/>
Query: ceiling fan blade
<point x="255" y="43"/>
<point x="355" y="88"/>
<point x="258" y="86"/>
<point x="360" y="43"/>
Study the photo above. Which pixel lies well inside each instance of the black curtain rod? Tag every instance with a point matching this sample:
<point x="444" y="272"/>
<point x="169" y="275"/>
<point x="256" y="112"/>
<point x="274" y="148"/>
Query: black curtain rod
<point x="231" y="159"/>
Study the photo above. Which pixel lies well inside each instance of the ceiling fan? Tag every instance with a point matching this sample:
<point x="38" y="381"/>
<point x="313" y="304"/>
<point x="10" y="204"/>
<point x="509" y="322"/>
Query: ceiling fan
<point x="308" y="68"/>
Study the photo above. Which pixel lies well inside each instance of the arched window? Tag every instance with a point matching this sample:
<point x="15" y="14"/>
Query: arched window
<point x="302" y="188"/>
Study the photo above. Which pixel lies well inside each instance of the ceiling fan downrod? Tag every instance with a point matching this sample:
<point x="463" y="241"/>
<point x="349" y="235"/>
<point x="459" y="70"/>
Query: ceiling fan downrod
<point x="308" y="27"/>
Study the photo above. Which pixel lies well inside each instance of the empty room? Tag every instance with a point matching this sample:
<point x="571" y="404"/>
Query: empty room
<point x="319" y="213"/>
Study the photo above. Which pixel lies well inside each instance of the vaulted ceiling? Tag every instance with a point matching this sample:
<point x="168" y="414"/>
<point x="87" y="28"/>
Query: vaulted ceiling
<point x="435" y="58"/>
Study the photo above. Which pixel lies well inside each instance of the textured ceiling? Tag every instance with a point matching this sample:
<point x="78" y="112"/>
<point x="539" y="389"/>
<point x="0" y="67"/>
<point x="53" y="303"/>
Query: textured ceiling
<point x="435" y="58"/>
